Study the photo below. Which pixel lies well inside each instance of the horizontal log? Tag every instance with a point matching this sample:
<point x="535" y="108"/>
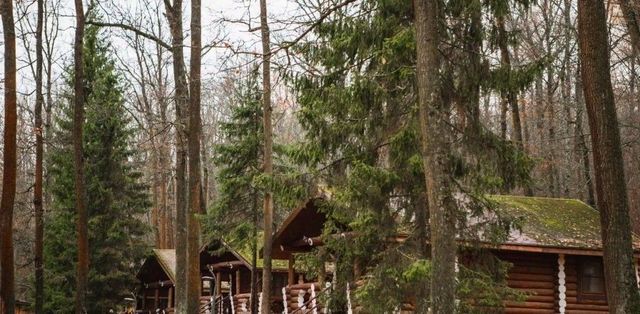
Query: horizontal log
<point x="531" y="305"/>
<point x="531" y="284"/>
<point x="527" y="311"/>
<point x="587" y="307"/>
<point x="546" y="292"/>
<point x="532" y="270"/>
<point x="541" y="298"/>
<point x="532" y="277"/>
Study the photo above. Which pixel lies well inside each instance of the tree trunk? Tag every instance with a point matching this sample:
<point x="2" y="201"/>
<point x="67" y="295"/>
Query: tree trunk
<point x="620" y="277"/>
<point x="82" y="276"/>
<point x="267" y="158"/>
<point x="510" y="96"/>
<point x="37" y="191"/>
<point x="7" y="285"/>
<point x="174" y="15"/>
<point x="631" y="19"/>
<point x="254" y="257"/>
<point x="195" y="187"/>
<point x="581" y="143"/>
<point x="434" y="116"/>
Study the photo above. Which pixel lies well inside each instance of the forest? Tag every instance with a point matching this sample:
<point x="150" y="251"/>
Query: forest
<point x="320" y="156"/>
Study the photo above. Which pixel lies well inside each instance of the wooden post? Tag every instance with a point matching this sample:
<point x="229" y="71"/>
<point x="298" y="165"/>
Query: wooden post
<point x="238" y="281"/>
<point x="170" y="296"/>
<point x="218" y="284"/>
<point x="292" y="272"/>
<point x="156" y="298"/>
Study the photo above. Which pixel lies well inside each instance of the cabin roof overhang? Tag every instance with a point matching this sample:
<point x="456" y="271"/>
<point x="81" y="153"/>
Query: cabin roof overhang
<point x="549" y="225"/>
<point x="305" y="222"/>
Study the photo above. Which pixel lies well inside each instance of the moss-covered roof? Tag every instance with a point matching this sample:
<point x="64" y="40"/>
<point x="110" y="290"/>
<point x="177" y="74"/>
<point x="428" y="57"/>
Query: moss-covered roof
<point x="553" y="222"/>
<point x="245" y="252"/>
<point x="167" y="259"/>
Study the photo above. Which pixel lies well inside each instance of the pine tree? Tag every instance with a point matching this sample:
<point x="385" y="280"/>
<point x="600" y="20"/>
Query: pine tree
<point x="358" y="98"/>
<point x="235" y="214"/>
<point x="115" y="196"/>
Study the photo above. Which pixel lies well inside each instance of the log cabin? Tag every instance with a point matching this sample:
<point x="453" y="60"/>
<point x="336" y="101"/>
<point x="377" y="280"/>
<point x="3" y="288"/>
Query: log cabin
<point x="21" y="307"/>
<point x="555" y="255"/>
<point x="226" y="280"/>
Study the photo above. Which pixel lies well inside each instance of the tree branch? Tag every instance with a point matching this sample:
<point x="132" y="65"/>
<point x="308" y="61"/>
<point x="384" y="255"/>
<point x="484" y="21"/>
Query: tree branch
<point x="132" y="29"/>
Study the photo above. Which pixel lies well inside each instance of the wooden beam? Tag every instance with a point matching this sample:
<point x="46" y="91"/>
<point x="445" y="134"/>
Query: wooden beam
<point x="218" y="284"/>
<point x="226" y="265"/>
<point x="156" y="298"/>
<point x="237" y="281"/>
<point x="170" y="302"/>
<point x="291" y="271"/>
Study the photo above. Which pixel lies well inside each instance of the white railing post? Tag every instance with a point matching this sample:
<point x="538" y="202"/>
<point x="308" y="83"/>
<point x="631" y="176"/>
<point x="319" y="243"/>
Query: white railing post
<point x="284" y="300"/>
<point x="349" y="310"/>
<point x="562" y="288"/>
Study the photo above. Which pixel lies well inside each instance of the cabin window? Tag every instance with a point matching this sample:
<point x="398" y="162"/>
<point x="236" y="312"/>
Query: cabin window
<point x="591" y="279"/>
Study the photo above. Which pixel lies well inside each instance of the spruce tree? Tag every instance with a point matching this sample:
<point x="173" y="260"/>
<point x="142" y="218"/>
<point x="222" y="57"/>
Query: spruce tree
<point x="235" y="214"/>
<point x="116" y="198"/>
<point x="358" y="99"/>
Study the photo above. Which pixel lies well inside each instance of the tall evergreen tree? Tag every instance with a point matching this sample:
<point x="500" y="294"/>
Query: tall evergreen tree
<point x="358" y="101"/>
<point x="115" y="196"/>
<point x="235" y="214"/>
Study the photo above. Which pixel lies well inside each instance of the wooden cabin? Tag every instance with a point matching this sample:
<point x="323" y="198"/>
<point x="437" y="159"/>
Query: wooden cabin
<point x="226" y="280"/>
<point x="21" y="307"/>
<point x="232" y="270"/>
<point x="556" y="255"/>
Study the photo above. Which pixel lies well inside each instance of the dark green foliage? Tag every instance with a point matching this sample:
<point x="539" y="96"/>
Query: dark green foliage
<point x="358" y="107"/>
<point x="241" y="182"/>
<point x="238" y="207"/>
<point x="116" y="199"/>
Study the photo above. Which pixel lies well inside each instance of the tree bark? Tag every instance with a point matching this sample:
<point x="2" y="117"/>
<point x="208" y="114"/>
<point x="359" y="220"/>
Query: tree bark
<point x="82" y="276"/>
<point x="174" y="15"/>
<point x="620" y="278"/>
<point x="581" y="142"/>
<point x="267" y="158"/>
<point x="509" y="95"/>
<point x="434" y="116"/>
<point x="195" y="186"/>
<point x="7" y="285"/>
<point x="631" y="19"/>
<point x="37" y="191"/>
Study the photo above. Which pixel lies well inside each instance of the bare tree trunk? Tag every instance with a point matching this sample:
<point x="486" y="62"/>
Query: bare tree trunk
<point x="434" y="116"/>
<point x="509" y="95"/>
<point x="37" y="191"/>
<point x="254" y="257"/>
<point x="581" y="142"/>
<point x="195" y="186"/>
<point x="267" y="159"/>
<point x="7" y="285"/>
<point x="620" y="277"/>
<point x="633" y="26"/>
<point x="174" y="15"/>
<point x="82" y="276"/>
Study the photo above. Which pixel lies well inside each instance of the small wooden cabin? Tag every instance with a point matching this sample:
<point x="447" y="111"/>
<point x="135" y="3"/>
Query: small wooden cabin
<point x="226" y="280"/>
<point x="556" y="256"/>
<point x="232" y="270"/>
<point x="21" y="307"/>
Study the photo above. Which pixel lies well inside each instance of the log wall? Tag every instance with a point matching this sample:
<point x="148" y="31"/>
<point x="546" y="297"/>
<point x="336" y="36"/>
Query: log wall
<point x="535" y="275"/>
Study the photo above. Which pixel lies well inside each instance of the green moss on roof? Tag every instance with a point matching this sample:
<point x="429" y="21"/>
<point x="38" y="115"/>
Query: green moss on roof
<point x="552" y="222"/>
<point x="245" y="251"/>
<point x="167" y="260"/>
